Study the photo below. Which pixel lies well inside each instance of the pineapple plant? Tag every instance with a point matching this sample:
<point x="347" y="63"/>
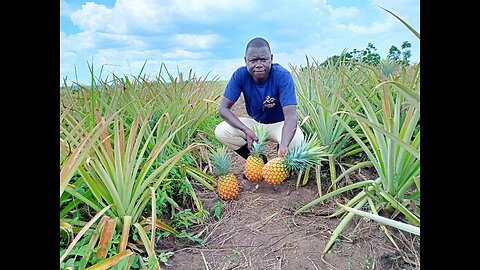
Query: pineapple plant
<point x="298" y="158"/>
<point x="255" y="162"/>
<point x="227" y="184"/>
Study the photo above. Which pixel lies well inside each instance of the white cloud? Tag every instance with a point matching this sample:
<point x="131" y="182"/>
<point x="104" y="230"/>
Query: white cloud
<point x="343" y="13"/>
<point x="146" y="14"/>
<point x="196" y="41"/>
<point x="184" y="54"/>
<point x="78" y="42"/>
<point x="374" y="28"/>
<point x="92" y="17"/>
<point x="211" y="10"/>
<point x="65" y="8"/>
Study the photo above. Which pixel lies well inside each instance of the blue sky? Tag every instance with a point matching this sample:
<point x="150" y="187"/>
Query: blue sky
<point x="209" y="37"/>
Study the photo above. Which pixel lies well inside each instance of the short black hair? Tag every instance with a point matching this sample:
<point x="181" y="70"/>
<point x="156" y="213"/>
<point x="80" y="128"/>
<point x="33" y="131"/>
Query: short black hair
<point x="257" y="42"/>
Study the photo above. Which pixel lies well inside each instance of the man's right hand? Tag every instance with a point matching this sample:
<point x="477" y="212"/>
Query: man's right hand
<point x="250" y="137"/>
<point x="282" y="150"/>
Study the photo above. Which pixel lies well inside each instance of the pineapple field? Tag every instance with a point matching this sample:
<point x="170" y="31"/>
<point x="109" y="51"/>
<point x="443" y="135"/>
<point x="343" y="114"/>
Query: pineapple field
<point x="144" y="184"/>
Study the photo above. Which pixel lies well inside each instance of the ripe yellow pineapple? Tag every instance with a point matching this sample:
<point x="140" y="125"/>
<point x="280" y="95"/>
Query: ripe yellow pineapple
<point x="308" y="153"/>
<point x="254" y="162"/>
<point x="227" y="185"/>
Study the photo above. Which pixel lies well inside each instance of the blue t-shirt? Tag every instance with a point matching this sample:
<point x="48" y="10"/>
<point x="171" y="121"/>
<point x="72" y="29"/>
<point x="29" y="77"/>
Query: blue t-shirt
<point x="263" y="101"/>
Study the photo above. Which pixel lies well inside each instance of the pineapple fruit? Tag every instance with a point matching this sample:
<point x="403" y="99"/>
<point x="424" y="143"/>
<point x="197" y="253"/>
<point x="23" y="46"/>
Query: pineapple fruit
<point x="297" y="159"/>
<point x="227" y="184"/>
<point x="254" y="162"/>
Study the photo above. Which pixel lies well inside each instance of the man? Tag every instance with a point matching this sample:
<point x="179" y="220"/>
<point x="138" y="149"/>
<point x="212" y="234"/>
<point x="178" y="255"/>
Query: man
<point x="269" y="94"/>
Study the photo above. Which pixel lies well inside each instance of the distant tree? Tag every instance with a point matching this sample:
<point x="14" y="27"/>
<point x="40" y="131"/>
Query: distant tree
<point x="400" y="56"/>
<point x="367" y="56"/>
<point x="334" y="60"/>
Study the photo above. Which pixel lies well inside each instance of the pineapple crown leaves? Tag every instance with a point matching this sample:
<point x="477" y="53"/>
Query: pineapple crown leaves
<point x="308" y="153"/>
<point x="221" y="161"/>
<point x="261" y="132"/>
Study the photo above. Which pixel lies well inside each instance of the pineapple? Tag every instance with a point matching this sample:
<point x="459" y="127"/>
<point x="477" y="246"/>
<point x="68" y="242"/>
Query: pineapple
<point x="308" y="153"/>
<point x="254" y="162"/>
<point x="227" y="184"/>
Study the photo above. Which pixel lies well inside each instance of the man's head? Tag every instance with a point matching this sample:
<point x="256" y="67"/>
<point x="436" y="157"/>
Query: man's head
<point x="258" y="59"/>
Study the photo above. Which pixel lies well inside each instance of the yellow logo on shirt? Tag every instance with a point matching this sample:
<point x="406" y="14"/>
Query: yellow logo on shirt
<point x="268" y="103"/>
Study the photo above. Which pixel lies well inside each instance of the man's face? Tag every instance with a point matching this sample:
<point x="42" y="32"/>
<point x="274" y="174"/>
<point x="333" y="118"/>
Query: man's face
<point x="258" y="62"/>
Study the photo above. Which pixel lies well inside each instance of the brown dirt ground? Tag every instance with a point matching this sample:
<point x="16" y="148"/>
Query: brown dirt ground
<point x="258" y="230"/>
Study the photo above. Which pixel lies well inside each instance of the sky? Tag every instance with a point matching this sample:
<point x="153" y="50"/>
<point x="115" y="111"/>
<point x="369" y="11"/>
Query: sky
<point x="126" y="38"/>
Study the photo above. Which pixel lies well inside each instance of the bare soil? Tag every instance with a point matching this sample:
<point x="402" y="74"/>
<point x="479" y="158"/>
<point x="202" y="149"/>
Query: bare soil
<point x="257" y="230"/>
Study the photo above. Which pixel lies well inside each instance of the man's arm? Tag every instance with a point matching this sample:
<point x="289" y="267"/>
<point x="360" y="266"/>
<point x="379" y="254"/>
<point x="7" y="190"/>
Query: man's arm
<point x="229" y="117"/>
<point x="289" y="128"/>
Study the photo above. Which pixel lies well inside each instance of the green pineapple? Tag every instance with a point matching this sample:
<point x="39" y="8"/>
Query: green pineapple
<point x="227" y="185"/>
<point x="308" y="153"/>
<point x="254" y="162"/>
